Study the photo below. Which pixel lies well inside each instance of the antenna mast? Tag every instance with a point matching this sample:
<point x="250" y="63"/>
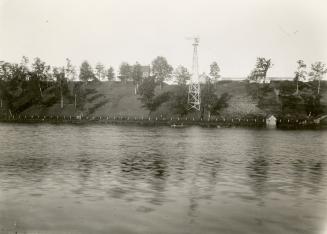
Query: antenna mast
<point x="194" y="86"/>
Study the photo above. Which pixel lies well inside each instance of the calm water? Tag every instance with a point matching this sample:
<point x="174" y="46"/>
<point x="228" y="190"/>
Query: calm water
<point x="116" y="179"/>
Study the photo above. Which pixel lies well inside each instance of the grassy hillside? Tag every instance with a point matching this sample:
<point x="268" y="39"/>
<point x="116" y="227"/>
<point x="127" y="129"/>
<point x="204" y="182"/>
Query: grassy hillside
<point x="241" y="103"/>
<point x="115" y="98"/>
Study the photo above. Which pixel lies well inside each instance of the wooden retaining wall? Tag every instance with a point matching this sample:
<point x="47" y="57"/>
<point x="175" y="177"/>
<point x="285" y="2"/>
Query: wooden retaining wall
<point x="260" y="122"/>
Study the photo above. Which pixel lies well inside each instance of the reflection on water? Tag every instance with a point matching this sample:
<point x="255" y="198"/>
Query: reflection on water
<point x="101" y="179"/>
<point x="258" y="172"/>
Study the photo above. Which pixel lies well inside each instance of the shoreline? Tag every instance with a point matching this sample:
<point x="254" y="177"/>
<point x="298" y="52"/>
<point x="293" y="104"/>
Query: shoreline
<point x="171" y="122"/>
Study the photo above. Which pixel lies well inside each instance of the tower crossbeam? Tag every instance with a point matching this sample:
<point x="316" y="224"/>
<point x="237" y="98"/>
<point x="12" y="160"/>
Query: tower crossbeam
<point x="194" y="98"/>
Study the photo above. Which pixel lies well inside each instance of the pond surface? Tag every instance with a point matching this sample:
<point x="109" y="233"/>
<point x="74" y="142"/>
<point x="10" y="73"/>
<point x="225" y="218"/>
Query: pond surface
<point x="118" y="179"/>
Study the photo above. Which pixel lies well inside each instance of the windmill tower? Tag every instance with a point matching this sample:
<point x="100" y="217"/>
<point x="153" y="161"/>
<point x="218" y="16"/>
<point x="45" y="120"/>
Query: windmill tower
<point x="194" y="86"/>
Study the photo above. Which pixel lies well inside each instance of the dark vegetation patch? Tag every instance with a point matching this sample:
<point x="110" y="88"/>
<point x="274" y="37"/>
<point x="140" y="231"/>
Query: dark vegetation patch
<point x="97" y="105"/>
<point x="95" y="97"/>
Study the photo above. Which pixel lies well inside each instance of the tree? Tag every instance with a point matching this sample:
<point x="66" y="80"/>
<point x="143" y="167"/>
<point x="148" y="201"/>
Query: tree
<point x="125" y="72"/>
<point x="263" y="65"/>
<point x="24" y="64"/>
<point x="100" y="71"/>
<point x="15" y="82"/>
<point x="182" y="75"/>
<point x="161" y="69"/>
<point x="211" y="103"/>
<point x="4" y="76"/>
<point x="40" y="72"/>
<point x="40" y="69"/>
<point x="158" y="100"/>
<point x="86" y="72"/>
<point x="146" y="91"/>
<point x="208" y="98"/>
<point x="18" y="74"/>
<point x="259" y="74"/>
<point x="318" y="70"/>
<point x="300" y="74"/>
<point x="312" y="103"/>
<point x="214" y="72"/>
<point x="110" y="74"/>
<point x="137" y="75"/>
<point x="5" y="71"/>
<point x="70" y="70"/>
<point x="179" y="100"/>
<point x="222" y="102"/>
<point x="61" y="80"/>
<point x="12" y="80"/>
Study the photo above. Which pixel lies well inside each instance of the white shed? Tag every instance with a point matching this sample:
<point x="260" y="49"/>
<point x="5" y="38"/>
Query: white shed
<point x="271" y="121"/>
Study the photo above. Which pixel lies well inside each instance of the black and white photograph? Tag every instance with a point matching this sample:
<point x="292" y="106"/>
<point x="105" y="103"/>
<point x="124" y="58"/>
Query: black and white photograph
<point x="163" y="117"/>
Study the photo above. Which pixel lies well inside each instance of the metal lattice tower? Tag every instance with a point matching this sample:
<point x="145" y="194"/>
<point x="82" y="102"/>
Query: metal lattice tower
<point x="194" y="99"/>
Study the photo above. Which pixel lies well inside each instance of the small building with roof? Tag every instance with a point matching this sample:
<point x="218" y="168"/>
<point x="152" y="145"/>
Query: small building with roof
<point x="271" y="121"/>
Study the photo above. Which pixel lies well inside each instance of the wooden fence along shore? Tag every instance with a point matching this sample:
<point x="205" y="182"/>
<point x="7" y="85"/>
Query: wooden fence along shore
<point x="260" y="122"/>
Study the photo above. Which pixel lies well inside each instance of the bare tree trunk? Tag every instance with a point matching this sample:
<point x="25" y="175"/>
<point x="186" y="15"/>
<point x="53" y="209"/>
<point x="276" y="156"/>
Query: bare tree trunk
<point x="75" y="101"/>
<point x="297" y="87"/>
<point x="40" y="90"/>
<point x="61" y="100"/>
<point x="318" y="87"/>
<point x="136" y="89"/>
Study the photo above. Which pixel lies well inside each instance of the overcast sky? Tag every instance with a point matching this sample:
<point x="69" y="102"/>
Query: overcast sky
<point x="231" y="32"/>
